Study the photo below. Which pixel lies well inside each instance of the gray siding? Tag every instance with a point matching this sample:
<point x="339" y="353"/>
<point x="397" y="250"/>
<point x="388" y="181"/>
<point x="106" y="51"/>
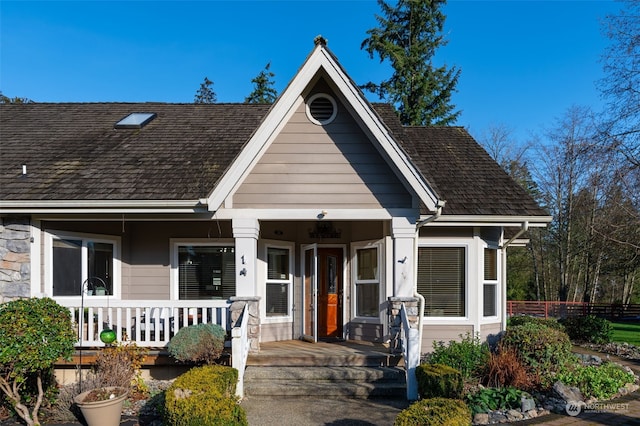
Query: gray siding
<point x="311" y="166"/>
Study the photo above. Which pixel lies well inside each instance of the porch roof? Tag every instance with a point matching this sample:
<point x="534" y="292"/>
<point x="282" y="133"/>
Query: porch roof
<point x="73" y="152"/>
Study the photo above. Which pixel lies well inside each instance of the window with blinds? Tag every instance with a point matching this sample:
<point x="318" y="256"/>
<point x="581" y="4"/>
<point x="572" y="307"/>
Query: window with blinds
<point x="441" y="280"/>
<point x="278" y="282"/>
<point x="206" y="272"/>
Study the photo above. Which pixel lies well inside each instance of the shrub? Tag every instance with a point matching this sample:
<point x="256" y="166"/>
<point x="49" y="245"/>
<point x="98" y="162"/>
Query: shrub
<point x="438" y="380"/>
<point x="538" y="347"/>
<point x="204" y="396"/>
<point x="469" y="356"/>
<point x="435" y="412"/>
<point x="200" y="343"/>
<point x="504" y="369"/>
<point x="589" y="329"/>
<point x="526" y="319"/>
<point x="119" y="366"/>
<point x="600" y="382"/>
<point x="34" y="334"/>
<point x="489" y="399"/>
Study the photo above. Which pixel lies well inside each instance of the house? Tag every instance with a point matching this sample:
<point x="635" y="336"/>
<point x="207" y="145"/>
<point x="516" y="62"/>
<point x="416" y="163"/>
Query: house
<point x="320" y="210"/>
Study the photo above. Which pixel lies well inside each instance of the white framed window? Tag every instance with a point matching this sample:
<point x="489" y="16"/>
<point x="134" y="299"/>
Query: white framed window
<point x="490" y="283"/>
<point x="442" y="280"/>
<point x="77" y="263"/>
<point x="278" y="282"/>
<point x="203" y="271"/>
<point x="367" y="270"/>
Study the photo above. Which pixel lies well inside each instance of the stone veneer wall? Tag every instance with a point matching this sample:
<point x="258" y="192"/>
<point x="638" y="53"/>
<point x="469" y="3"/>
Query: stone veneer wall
<point x="15" y="258"/>
<point x="253" y="323"/>
<point x="395" y="321"/>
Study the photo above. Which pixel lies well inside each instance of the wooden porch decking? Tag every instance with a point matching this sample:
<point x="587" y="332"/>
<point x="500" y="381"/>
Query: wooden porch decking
<point x="338" y="353"/>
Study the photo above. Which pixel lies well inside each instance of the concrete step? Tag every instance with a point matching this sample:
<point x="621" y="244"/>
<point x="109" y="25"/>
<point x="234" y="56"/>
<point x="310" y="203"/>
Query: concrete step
<point x="329" y="382"/>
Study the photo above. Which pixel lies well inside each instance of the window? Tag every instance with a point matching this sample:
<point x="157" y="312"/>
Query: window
<point x="206" y="272"/>
<point x="278" y="282"/>
<point x="82" y="262"/>
<point x="490" y="285"/>
<point x="441" y="280"/>
<point x="367" y="282"/>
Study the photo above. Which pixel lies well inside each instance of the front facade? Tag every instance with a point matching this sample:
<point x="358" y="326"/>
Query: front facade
<point x="321" y="207"/>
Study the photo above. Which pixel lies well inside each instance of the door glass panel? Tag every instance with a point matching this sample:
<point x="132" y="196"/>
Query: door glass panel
<point x="310" y="288"/>
<point x="331" y="274"/>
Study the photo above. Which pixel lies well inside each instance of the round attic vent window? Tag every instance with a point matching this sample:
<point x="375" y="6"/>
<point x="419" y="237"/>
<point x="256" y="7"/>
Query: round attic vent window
<point x="321" y="109"/>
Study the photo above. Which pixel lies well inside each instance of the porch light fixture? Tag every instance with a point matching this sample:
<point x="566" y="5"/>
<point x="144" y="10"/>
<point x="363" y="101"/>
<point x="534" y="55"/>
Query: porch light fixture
<point x="322" y="214"/>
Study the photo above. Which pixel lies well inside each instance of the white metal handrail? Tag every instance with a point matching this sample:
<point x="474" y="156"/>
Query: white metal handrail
<point x="148" y="323"/>
<point x="240" y="349"/>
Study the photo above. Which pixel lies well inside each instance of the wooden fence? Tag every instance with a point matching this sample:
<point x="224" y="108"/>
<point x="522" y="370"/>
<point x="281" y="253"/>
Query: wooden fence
<point x="545" y="309"/>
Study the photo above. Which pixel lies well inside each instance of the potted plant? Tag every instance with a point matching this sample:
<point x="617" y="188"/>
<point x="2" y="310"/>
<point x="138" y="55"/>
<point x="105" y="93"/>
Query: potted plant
<point x="102" y="406"/>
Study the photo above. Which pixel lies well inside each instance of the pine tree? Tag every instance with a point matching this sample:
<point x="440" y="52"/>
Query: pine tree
<point x="408" y="35"/>
<point x="263" y="91"/>
<point x="205" y="94"/>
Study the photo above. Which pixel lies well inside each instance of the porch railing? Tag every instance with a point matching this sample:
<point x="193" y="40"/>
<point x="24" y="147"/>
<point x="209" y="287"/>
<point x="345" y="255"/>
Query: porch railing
<point x="411" y="348"/>
<point x="240" y="349"/>
<point x="148" y="323"/>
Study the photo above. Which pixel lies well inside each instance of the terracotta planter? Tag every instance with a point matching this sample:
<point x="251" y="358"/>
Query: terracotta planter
<point x="105" y="412"/>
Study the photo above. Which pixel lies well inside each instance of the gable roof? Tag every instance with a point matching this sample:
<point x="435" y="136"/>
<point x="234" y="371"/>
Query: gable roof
<point x="191" y="156"/>
<point x="322" y="62"/>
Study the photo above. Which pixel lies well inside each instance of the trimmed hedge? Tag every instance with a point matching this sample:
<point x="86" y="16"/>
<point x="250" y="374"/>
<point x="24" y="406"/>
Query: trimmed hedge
<point x="589" y="329"/>
<point x="439" y="380"/>
<point x="526" y="319"/>
<point x="435" y="412"/>
<point x="204" y="396"/>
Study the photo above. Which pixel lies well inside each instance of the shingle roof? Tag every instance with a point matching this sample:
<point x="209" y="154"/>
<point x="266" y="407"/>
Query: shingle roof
<point x="73" y="152"/>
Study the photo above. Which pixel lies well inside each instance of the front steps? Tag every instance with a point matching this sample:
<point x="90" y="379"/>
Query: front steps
<point x="326" y="370"/>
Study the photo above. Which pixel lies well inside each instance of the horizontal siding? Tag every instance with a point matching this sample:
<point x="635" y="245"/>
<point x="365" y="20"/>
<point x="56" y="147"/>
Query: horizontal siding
<point x="442" y="333"/>
<point x="310" y="166"/>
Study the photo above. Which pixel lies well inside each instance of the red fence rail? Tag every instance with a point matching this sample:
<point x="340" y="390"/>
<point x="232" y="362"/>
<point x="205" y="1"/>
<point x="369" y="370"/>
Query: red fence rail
<point x="547" y="309"/>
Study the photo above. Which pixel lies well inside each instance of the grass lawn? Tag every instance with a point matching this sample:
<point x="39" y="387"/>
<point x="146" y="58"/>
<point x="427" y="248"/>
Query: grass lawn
<point x="626" y="332"/>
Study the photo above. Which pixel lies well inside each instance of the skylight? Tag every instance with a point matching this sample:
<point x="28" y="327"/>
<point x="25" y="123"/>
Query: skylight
<point x="135" y="120"/>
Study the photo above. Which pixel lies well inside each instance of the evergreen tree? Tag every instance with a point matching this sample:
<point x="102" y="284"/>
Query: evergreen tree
<point x="263" y="91"/>
<point x="15" y="100"/>
<point x="205" y="94"/>
<point x="408" y="35"/>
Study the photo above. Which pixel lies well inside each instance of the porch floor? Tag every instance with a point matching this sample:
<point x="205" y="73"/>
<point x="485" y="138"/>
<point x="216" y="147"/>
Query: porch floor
<point x="338" y="353"/>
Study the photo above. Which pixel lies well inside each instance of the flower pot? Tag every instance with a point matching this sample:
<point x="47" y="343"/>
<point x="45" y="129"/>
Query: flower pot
<point x="105" y="412"/>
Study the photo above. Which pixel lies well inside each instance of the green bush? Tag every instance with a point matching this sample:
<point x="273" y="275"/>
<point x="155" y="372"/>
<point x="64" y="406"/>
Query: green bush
<point x="435" y="412"/>
<point x="469" y="356"/>
<point x="489" y="399"/>
<point x="540" y="348"/>
<point x="439" y="380"/>
<point x="600" y="382"/>
<point x="34" y="334"/>
<point x="204" y="396"/>
<point x="589" y="329"/>
<point x="200" y="343"/>
<point x="526" y="319"/>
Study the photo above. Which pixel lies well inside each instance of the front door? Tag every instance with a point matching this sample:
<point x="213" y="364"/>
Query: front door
<point x="323" y="293"/>
<point x="329" y="293"/>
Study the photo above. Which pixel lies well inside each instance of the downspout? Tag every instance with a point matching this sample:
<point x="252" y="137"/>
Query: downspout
<point x="523" y="228"/>
<point x="439" y="206"/>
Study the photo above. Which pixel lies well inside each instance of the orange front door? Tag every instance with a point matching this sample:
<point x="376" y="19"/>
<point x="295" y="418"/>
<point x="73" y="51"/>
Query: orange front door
<point x="330" y="293"/>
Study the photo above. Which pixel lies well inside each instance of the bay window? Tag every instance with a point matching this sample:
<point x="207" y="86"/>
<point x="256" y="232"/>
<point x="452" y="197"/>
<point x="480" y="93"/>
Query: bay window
<point x="206" y="272"/>
<point x="490" y="284"/>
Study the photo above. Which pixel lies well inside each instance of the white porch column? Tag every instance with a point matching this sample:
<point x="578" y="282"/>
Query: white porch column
<point x="404" y="239"/>
<point x="246" y="232"/>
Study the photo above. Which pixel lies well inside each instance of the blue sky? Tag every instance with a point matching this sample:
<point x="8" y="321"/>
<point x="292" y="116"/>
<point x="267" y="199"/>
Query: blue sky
<point x="523" y="62"/>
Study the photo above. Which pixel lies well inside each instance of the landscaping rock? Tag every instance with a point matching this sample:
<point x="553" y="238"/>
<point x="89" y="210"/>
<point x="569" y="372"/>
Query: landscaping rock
<point x="527" y="404"/>
<point x="567" y="393"/>
<point x="481" y="419"/>
<point x="514" y="415"/>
